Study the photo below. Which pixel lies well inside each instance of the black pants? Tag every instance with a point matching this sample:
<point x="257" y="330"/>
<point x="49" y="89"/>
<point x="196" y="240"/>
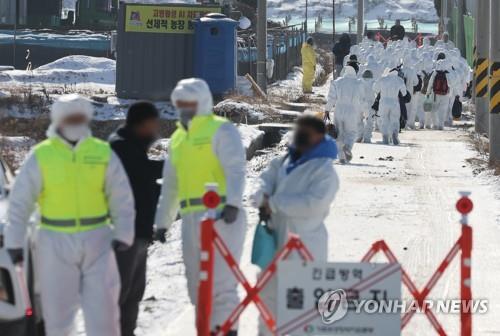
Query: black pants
<point x="132" y="267"/>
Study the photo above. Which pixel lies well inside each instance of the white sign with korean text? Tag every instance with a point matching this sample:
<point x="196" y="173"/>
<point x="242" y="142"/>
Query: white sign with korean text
<point x="337" y="299"/>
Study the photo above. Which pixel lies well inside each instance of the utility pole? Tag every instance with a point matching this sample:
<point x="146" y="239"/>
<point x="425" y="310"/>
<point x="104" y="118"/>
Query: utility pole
<point x="459" y="29"/>
<point x="494" y="134"/>
<point x="333" y="20"/>
<point x="305" y="25"/>
<point x="444" y="15"/>
<point x="482" y="32"/>
<point x="261" y="43"/>
<point x="361" y="20"/>
<point x="16" y="15"/>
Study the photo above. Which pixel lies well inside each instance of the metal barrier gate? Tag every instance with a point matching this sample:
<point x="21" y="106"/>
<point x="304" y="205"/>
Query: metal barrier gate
<point x="210" y="238"/>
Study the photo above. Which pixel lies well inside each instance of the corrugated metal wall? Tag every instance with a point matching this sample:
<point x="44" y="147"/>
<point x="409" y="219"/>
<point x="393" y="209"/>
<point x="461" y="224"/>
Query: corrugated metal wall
<point x="149" y="65"/>
<point x="8" y="11"/>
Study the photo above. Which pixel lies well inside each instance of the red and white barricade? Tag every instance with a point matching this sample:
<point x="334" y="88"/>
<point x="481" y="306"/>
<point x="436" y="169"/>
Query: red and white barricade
<point x="210" y="239"/>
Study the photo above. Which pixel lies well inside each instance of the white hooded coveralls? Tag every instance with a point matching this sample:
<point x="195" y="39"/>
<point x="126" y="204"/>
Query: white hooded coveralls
<point x="74" y="270"/>
<point x="369" y="114"/>
<point x="300" y="201"/>
<point x="230" y="151"/>
<point x="411" y="81"/>
<point x="389" y="111"/>
<point x="441" y="106"/>
<point x="344" y="95"/>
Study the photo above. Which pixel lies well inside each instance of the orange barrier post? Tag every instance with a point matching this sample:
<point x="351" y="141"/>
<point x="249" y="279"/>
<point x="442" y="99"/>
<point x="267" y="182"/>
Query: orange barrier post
<point x="204" y="305"/>
<point x="463" y="245"/>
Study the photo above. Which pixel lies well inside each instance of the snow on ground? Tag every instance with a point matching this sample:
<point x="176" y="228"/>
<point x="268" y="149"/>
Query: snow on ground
<point x="231" y="108"/>
<point x="82" y="72"/>
<point x="14" y="149"/>
<point x="291" y="87"/>
<point x="422" y="10"/>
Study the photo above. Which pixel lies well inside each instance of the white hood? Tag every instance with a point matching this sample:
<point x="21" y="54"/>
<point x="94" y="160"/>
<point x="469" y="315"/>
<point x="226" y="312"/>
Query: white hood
<point x="349" y="72"/>
<point x="68" y="105"/>
<point x="194" y="90"/>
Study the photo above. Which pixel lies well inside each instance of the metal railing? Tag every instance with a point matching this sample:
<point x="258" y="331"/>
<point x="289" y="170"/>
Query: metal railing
<point x="283" y="52"/>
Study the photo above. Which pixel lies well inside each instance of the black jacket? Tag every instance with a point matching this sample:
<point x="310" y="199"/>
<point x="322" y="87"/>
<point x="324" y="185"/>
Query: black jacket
<point x="397" y="32"/>
<point x="342" y="48"/>
<point x="142" y="173"/>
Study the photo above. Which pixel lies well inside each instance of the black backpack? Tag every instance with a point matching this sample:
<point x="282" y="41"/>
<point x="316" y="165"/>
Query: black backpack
<point x="426" y="80"/>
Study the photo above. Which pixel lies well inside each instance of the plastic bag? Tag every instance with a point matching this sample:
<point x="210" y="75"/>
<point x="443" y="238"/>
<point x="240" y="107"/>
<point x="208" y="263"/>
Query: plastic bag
<point x="264" y="245"/>
<point x="428" y="104"/>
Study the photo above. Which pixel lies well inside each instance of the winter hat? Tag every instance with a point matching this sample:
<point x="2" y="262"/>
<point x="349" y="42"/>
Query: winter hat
<point x="194" y="90"/>
<point x="353" y="58"/>
<point x="140" y="112"/>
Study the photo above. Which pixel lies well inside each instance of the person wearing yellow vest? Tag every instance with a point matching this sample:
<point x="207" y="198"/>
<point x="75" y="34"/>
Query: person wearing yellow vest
<point x="85" y="207"/>
<point x="308" y="65"/>
<point x="204" y="149"/>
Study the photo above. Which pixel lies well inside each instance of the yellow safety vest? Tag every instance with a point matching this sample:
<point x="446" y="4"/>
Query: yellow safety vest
<point x="73" y="197"/>
<point x="195" y="162"/>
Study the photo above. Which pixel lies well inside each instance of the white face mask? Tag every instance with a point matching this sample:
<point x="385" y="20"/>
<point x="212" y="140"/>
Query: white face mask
<point x="74" y="133"/>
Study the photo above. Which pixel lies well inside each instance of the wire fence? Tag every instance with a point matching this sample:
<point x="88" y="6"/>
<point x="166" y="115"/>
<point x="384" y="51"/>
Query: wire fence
<point x="283" y="52"/>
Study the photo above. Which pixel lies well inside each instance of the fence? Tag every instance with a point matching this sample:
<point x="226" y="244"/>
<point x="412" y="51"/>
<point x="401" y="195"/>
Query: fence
<point x="283" y="52"/>
<point x="210" y="241"/>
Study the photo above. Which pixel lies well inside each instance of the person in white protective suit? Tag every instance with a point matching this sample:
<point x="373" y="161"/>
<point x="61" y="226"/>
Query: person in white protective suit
<point x="296" y="191"/>
<point x="367" y="100"/>
<point x="344" y="96"/>
<point x="426" y="46"/>
<point x="412" y="81"/>
<point x="425" y="69"/>
<point x="86" y="209"/>
<point x="441" y="81"/>
<point x="204" y="149"/>
<point x="389" y="87"/>
<point x="445" y="42"/>
<point x="375" y="67"/>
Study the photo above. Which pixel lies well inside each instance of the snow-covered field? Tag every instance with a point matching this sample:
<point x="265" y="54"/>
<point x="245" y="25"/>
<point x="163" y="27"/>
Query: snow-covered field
<point x="77" y="72"/>
<point x="422" y="10"/>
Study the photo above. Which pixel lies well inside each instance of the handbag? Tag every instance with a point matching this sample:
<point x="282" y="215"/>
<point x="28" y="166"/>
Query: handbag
<point x="331" y="129"/>
<point x="264" y="245"/>
<point x="456" y="111"/>
<point x="428" y="104"/>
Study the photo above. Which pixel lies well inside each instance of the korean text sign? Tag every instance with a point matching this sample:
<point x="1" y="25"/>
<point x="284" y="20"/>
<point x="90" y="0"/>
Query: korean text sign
<point x="302" y="288"/>
<point x="169" y="19"/>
